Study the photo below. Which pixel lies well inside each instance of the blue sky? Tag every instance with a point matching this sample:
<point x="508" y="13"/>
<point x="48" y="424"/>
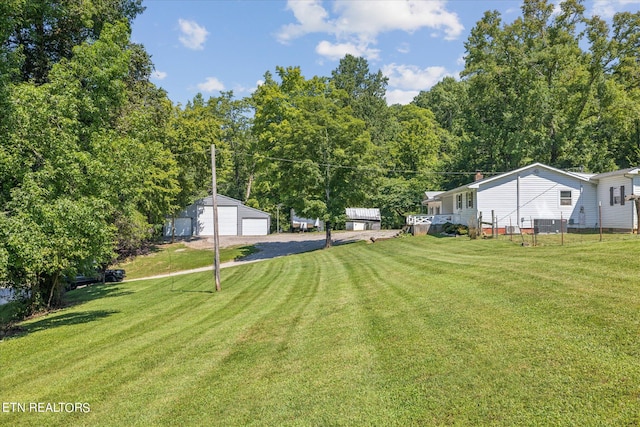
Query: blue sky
<point x="205" y="46"/>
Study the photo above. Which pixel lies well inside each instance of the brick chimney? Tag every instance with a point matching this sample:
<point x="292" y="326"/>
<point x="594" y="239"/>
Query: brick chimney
<point x="479" y="176"/>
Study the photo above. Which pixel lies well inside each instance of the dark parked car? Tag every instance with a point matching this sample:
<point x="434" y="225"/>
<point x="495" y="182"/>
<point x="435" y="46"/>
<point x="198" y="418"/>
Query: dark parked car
<point x="116" y="275"/>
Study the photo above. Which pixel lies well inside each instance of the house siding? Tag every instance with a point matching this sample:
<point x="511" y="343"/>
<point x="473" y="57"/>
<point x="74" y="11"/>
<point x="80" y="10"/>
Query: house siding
<point x="617" y="216"/>
<point x="540" y="192"/>
<point x="537" y="196"/>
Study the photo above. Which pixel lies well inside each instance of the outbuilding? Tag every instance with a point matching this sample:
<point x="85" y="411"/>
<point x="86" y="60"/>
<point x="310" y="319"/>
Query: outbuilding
<point x="234" y="219"/>
<point x="360" y="219"/>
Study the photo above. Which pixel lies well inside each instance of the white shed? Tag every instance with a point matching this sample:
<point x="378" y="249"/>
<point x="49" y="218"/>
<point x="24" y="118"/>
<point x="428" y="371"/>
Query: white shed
<point x="360" y="219"/>
<point x="234" y="219"/>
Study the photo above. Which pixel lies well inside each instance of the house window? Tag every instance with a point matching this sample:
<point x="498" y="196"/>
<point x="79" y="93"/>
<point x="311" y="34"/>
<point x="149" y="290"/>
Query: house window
<point x="459" y="201"/>
<point x="616" y="195"/>
<point x="565" y="198"/>
<point x="470" y="200"/>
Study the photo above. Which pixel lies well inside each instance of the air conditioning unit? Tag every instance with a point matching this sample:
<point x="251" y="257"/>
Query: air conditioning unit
<point x="511" y="229"/>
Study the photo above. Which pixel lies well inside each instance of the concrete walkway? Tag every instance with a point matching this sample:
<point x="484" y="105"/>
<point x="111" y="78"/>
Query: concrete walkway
<point x="195" y="270"/>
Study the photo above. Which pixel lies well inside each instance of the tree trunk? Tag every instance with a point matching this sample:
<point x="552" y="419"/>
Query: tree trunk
<point x="327" y="242"/>
<point x="249" y="184"/>
<point x="54" y="295"/>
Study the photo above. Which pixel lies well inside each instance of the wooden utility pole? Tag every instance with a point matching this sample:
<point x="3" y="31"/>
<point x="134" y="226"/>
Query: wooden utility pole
<point x="216" y="237"/>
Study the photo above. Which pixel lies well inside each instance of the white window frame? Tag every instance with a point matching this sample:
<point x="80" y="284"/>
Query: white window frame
<point x="564" y="198"/>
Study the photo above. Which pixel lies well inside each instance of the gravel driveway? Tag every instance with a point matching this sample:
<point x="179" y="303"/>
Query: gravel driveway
<point x="276" y="245"/>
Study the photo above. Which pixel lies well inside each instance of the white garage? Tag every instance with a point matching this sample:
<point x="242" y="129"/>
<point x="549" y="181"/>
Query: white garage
<point x="255" y="227"/>
<point x="227" y="221"/>
<point x="234" y="219"/>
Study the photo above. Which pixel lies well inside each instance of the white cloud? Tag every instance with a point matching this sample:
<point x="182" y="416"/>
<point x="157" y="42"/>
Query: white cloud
<point x="607" y="8"/>
<point x="398" y="96"/>
<point x="372" y="18"/>
<point x="158" y="75"/>
<point x="193" y="35"/>
<point x="240" y="89"/>
<point x="212" y="84"/>
<point x="410" y="77"/>
<point x="357" y="24"/>
<point x="311" y="17"/>
<point x="336" y="51"/>
<point x="404" y="48"/>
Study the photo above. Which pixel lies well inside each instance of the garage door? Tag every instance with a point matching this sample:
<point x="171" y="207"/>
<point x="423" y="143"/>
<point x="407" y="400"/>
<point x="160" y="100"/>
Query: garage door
<point x="255" y="227"/>
<point x="227" y="221"/>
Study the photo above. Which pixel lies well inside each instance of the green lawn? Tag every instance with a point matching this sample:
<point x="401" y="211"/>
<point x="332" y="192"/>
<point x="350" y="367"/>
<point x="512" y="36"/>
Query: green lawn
<point x="176" y="257"/>
<point x="414" y="331"/>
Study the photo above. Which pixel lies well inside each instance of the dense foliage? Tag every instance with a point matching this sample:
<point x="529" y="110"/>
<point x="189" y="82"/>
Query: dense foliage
<point x="94" y="157"/>
<point x="558" y="88"/>
<point x="85" y="170"/>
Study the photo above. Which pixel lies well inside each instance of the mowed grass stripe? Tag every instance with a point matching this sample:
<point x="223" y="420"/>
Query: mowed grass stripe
<point x="398" y="332"/>
<point x="242" y="366"/>
<point x="301" y="354"/>
<point x="478" y="303"/>
<point x="146" y="337"/>
<point x="211" y="337"/>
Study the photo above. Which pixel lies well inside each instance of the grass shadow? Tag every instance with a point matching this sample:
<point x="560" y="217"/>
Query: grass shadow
<point x="66" y="319"/>
<point x="268" y="250"/>
<point x="53" y="321"/>
<point x="246" y="251"/>
<point x="187" y="291"/>
<point x="92" y="292"/>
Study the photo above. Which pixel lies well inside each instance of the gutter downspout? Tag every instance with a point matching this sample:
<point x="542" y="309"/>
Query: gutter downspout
<point x="634" y="224"/>
<point x="518" y="202"/>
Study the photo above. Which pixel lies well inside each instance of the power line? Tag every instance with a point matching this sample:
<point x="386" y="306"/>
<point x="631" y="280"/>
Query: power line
<point x="377" y="168"/>
<point x="339" y="166"/>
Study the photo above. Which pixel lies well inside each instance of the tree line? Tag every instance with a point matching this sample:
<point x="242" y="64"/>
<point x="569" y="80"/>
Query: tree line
<point x="94" y="157"/>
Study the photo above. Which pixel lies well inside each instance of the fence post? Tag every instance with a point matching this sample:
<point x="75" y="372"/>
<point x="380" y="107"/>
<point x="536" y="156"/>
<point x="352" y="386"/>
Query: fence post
<point x="494" y="232"/>
<point x="561" y="230"/>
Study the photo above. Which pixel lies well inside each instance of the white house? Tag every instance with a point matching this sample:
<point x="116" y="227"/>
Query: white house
<point x="234" y="219"/>
<point x="535" y="196"/>
<point x="618" y="214"/>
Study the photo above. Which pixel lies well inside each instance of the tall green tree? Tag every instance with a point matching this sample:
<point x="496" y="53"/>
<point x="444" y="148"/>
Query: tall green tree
<point x="192" y="131"/>
<point x="366" y="92"/>
<point x="46" y="31"/>
<point x="321" y="150"/>
<point x="85" y="168"/>
<point x="449" y="100"/>
<point x="413" y="161"/>
<point x="239" y="143"/>
<point x="547" y="88"/>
